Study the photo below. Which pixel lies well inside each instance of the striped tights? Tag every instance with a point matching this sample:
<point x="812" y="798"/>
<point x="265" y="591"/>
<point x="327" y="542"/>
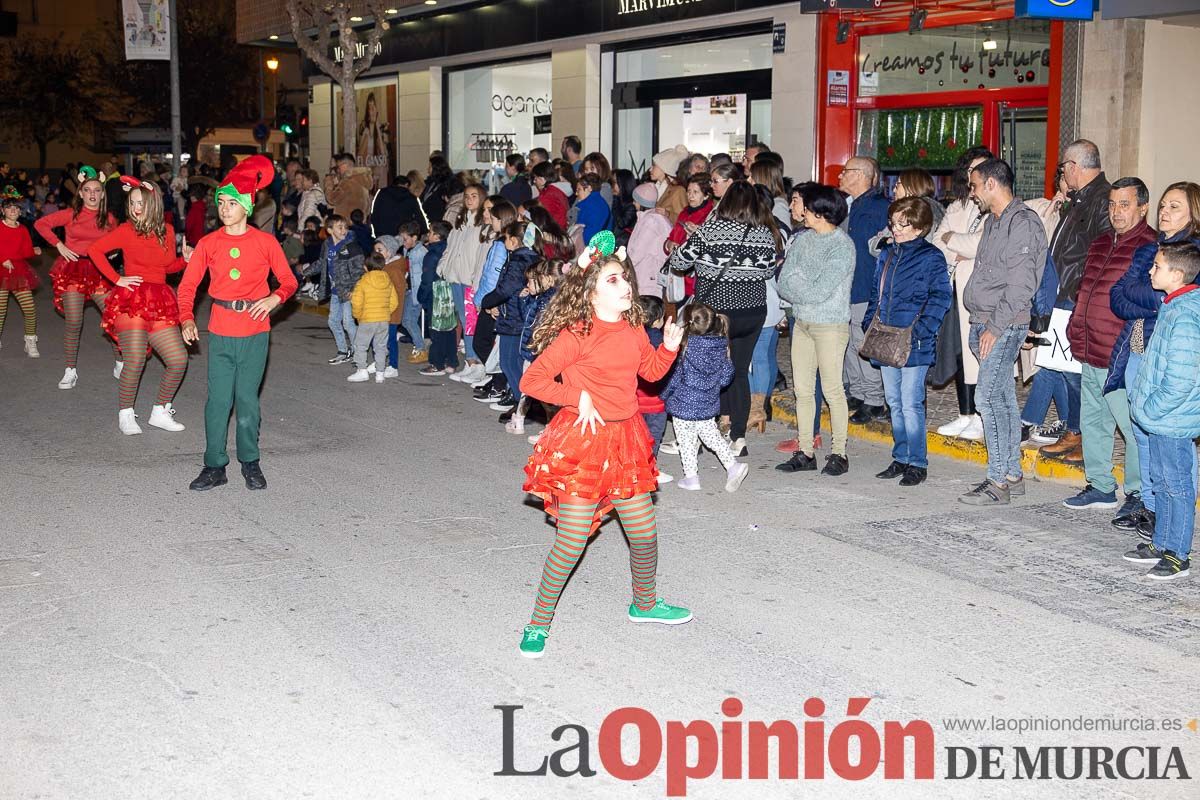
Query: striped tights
<point x="168" y="343"/>
<point x="25" y="301"/>
<point x="72" y="304"/>
<point x="574" y="526"/>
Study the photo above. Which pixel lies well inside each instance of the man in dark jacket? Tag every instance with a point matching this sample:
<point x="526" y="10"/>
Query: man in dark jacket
<point x="517" y="191"/>
<point x="868" y="216"/>
<point x="395" y="205"/>
<point x="1093" y="331"/>
<point x="1086" y="219"/>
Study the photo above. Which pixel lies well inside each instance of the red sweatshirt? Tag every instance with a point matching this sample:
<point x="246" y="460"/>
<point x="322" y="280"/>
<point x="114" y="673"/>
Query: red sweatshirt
<point x="606" y="363"/>
<point x="144" y="256"/>
<point x="193" y="226"/>
<point x="15" y="245"/>
<point x="237" y="267"/>
<point x="81" y="231"/>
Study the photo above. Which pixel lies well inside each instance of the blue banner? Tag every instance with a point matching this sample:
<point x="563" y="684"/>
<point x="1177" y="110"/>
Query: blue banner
<point x="1056" y="9"/>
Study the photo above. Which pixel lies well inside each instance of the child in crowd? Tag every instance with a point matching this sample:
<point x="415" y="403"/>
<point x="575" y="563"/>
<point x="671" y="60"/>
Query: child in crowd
<point x="437" y="300"/>
<point x="340" y="265"/>
<point x="1165" y="401"/>
<point x="648" y="240"/>
<point x="595" y="455"/>
<point x="293" y="245"/>
<point x="503" y="304"/>
<point x="414" y="251"/>
<point x="396" y="266"/>
<point x="595" y="215"/>
<point x="361" y="231"/>
<point x="373" y="300"/>
<point x="650" y="404"/>
<point x="541" y="280"/>
<point x="693" y="395"/>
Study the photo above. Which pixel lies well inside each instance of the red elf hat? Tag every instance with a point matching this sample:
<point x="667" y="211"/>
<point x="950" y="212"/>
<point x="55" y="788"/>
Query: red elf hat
<point x="246" y="178"/>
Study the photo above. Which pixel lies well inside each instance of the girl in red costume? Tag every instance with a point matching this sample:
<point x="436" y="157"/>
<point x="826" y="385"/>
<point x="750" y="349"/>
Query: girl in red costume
<point x="142" y="313"/>
<point x="74" y="276"/>
<point x="596" y="454"/>
<point x="16" y="277"/>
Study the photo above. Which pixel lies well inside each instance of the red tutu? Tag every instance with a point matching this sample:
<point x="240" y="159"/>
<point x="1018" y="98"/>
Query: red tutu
<point x="76" y="276"/>
<point x="153" y="302"/>
<point x="615" y="461"/>
<point x="19" y="279"/>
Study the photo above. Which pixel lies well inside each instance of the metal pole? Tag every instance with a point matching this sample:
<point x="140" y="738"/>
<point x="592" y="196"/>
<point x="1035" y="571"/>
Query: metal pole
<point x="176" y="124"/>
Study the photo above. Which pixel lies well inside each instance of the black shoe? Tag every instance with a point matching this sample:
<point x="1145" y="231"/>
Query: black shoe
<point x="1144" y="554"/>
<point x="1170" y="567"/>
<point x="799" y="462"/>
<point x="489" y="397"/>
<point x="507" y="415"/>
<point x="252" y="472"/>
<point x="482" y="391"/>
<point x="1129" y="514"/>
<point x="781" y="382"/>
<point x="405" y="339"/>
<point x="1026" y="432"/>
<point x="209" y="478"/>
<point x="867" y="414"/>
<point x="914" y="476"/>
<point x="836" y="465"/>
<point x="853" y="403"/>
<point x="894" y="470"/>
<point x="1145" y="527"/>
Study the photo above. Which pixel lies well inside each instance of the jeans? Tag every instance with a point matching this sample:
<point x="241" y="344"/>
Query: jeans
<point x="904" y="389"/>
<point x="393" y="354"/>
<point x="411" y="321"/>
<point x="820" y="348"/>
<point x="861" y="378"/>
<point x="996" y="398"/>
<point x="460" y="305"/>
<point x="764" y="364"/>
<point x="1173" y="472"/>
<point x="371" y="335"/>
<point x="1140" y="437"/>
<point x="1101" y="415"/>
<point x="1048" y="385"/>
<point x="511" y="363"/>
<point x="657" y="425"/>
<point x="341" y="323"/>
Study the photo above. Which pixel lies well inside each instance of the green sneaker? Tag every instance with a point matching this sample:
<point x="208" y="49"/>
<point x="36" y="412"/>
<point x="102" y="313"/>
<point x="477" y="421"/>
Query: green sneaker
<point x="667" y="615"/>
<point x="534" y="641"/>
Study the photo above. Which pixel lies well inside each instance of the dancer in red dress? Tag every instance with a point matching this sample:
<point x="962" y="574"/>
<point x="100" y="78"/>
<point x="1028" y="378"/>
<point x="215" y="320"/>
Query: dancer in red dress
<point x="16" y="276"/>
<point x="75" y="278"/>
<point x="141" y="312"/>
<point x="596" y="454"/>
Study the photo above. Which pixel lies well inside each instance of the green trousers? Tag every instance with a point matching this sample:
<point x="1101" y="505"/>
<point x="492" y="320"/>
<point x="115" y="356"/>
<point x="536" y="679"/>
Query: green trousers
<point x="1100" y="417"/>
<point x="235" y="373"/>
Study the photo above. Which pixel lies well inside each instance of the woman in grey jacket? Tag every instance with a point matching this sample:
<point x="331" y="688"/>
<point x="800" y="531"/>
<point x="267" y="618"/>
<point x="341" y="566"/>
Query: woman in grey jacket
<point x="815" y="279"/>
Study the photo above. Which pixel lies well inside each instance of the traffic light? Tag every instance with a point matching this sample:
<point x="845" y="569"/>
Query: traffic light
<point x="287" y="129"/>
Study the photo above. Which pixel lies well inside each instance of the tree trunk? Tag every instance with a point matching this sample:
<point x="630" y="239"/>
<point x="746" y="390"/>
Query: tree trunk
<point x="349" y="107"/>
<point x="41" y="145"/>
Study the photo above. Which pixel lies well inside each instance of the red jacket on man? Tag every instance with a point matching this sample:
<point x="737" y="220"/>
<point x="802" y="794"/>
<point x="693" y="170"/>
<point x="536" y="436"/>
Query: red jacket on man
<point x="1093" y="329"/>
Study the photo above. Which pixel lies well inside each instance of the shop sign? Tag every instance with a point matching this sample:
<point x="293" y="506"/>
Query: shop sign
<point x="541" y="124"/>
<point x="509" y="105"/>
<point x="1056" y="9"/>
<point x="838" y="87"/>
<point x="646" y="6"/>
<point x="779" y="38"/>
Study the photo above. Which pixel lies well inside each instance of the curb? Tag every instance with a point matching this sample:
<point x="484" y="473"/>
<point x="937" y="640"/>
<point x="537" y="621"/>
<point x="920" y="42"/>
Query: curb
<point x="314" y="309"/>
<point x="1032" y="462"/>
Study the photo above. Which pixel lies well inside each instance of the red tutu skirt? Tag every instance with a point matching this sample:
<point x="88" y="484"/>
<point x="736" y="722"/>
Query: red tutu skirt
<point x="19" y="279"/>
<point x="76" y="276"/>
<point x="154" y="303"/>
<point x="617" y="461"/>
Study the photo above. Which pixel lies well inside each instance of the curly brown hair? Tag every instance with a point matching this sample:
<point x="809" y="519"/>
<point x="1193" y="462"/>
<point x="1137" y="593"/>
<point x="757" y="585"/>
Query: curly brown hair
<point x="571" y="308"/>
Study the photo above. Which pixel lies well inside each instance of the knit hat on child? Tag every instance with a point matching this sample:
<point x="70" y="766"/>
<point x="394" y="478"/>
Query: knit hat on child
<point x="391" y="245"/>
<point x="646" y="195"/>
<point x="669" y="160"/>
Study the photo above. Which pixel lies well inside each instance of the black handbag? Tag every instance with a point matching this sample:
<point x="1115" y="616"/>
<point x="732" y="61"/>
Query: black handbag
<point x="888" y="344"/>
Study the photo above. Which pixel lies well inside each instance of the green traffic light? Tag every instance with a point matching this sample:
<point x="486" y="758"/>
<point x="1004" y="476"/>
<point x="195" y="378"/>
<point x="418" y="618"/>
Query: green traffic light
<point x="287" y="129"/>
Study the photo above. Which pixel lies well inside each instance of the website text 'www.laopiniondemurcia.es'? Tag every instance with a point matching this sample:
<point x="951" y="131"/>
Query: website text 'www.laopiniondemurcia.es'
<point x="813" y="748"/>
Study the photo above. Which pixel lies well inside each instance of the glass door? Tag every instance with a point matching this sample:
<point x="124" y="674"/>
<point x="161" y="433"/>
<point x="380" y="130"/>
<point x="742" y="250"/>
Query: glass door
<point x="706" y="124"/>
<point x="1023" y="145"/>
<point x="635" y="138"/>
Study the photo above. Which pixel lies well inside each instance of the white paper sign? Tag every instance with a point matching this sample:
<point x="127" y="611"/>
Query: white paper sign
<point x="146" y="30"/>
<point x="1057" y="354"/>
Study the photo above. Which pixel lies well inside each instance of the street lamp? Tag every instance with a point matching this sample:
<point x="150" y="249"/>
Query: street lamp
<point x="272" y="63"/>
<point x="273" y="66"/>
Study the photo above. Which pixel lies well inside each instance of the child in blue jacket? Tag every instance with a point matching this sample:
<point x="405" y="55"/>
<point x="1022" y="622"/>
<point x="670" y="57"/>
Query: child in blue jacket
<point x="504" y="302"/>
<point x="693" y="395"/>
<point x="1165" y="401"/>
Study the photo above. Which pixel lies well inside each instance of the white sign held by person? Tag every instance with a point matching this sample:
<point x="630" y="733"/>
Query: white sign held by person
<point x="1057" y="354"/>
<point x="146" y="30"/>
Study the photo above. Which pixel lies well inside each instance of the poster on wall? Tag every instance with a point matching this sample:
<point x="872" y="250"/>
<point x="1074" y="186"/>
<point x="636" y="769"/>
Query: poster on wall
<point x="374" y="136"/>
<point x="838" y="84"/>
<point x="147" y="30"/>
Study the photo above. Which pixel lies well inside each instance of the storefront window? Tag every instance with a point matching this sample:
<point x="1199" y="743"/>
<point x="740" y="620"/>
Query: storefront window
<point x="717" y="57"/>
<point x="929" y="138"/>
<point x="961" y="57"/>
<point x="494" y="111"/>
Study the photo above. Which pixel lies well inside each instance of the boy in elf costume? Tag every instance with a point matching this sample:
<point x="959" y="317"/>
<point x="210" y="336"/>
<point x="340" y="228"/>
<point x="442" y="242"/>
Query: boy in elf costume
<point x="237" y="259"/>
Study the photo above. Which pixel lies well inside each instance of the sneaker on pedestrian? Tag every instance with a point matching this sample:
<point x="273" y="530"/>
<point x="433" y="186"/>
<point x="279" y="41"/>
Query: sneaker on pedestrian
<point x="691" y="483"/>
<point x="163" y="416"/>
<point x="1093" y="498"/>
<point x="504" y="402"/>
<point x="69" y="379"/>
<point x="799" y="462"/>
<point x="515" y="426"/>
<point x="974" y="430"/>
<point x="466" y="374"/>
<point x="371" y="368"/>
<point x="739" y="447"/>
<point x="431" y="371"/>
<point x="359" y="376"/>
<point x="836" y="464"/>
<point x="340" y="358"/>
<point x="735" y="475"/>
<point x="209" y="478"/>
<point x="1130" y="513"/>
<point x="391" y="372"/>
<point x="534" y="438"/>
<point x="662" y="477"/>
<point x="955" y="426"/>
<point x="31" y="348"/>
<point x="1145" y="527"/>
<point x="1144" y="553"/>
<point x="914" y="476"/>
<point x="661" y="612"/>
<point x="533" y="640"/>
<point x="126" y="422"/>
<point x="670" y="448"/>
<point x="1016" y="486"/>
<point x="894" y="470"/>
<point x="379" y="377"/>
<point x="1048" y="434"/>
<point x="1170" y="567"/>
<point x="493" y="396"/>
<point x="988" y="493"/>
<point x="868" y="413"/>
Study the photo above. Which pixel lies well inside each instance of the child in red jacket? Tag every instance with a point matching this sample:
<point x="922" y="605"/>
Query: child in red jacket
<point x="700" y="205"/>
<point x="652" y="409"/>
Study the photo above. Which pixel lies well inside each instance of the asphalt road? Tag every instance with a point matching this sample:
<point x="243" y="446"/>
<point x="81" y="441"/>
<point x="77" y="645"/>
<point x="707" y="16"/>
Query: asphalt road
<point x="348" y="632"/>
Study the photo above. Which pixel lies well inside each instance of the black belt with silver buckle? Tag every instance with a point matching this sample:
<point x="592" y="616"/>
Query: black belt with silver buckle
<point x="236" y="305"/>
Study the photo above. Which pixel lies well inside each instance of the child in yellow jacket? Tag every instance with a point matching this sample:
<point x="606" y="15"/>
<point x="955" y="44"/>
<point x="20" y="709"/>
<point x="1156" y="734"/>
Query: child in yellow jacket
<point x="373" y="301"/>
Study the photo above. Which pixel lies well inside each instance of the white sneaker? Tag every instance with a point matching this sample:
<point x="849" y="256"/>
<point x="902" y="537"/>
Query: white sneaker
<point x="359" y="376"/>
<point x="533" y="439"/>
<point x="31" y="347"/>
<point x="379" y="377"/>
<point x="735" y="475"/>
<point x="974" y="430"/>
<point x="371" y="368"/>
<point x="117" y="367"/>
<point x="127" y="423"/>
<point x="955" y="427"/>
<point x="391" y="372"/>
<point x="664" y="477"/>
<point x="670" y="448"/>
<point x="69" y="378"/>
<point x="164" y="417"/>
<point x="516" y="425"/>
